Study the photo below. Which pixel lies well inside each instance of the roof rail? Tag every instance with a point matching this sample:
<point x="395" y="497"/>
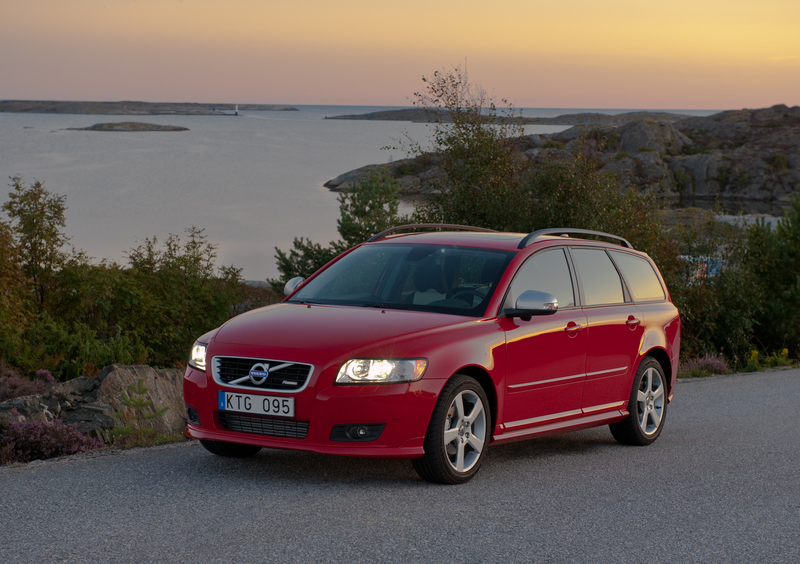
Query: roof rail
<point x="532" y="237"/>
<point x="444" y="226"/>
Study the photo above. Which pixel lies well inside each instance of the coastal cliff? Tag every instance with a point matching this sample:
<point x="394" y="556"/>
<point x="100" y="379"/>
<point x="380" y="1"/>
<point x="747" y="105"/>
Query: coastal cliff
<point x="421" y="115"/>
<point x="739" y="154"/>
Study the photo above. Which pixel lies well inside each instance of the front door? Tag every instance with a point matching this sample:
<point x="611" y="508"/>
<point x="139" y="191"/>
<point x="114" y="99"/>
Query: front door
<point x="546" y="356"/>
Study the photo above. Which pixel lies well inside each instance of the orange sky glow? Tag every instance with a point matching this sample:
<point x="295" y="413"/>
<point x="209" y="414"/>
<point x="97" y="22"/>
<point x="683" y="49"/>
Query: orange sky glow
<point x="699" y="54"/>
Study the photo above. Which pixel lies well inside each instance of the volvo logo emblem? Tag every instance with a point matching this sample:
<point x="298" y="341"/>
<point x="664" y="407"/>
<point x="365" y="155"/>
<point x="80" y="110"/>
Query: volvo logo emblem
<point x="259" y="373"/>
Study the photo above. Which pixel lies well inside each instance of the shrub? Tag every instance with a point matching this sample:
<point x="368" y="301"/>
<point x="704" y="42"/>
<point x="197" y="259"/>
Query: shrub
<point x="743" y="180"/>
<point x="370" y="207"/>
<point x="779" y="359"/>
<point x="682" y="179"/>
<point x="779" y="161"/>
<point x="133" y="431"/>
<point x="24" y="441"/>
<point x="752" y="362"/>
<point x="14" y="385"/>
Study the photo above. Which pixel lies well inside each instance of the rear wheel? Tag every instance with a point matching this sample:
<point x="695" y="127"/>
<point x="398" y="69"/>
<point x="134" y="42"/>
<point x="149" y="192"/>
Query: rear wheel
<point x="647" y="406"/>
<point x="458" y="433"/>
<point x="230" y="450"/>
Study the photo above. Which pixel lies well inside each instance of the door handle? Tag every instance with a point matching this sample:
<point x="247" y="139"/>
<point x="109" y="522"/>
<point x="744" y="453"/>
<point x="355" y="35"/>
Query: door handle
<point x="572" y="328"/>
<point x="632" y="322"/>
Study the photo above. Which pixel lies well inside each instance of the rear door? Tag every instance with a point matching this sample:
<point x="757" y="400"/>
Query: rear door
<point x="614" y="331"/>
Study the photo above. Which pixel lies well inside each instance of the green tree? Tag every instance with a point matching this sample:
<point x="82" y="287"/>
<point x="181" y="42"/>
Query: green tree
<point x="475" y="145"/>
<point x="180" y="293"/>
<point x="368" y="208"/>
<point x="12" y="279"/>
<point x="38" y="220"/>
<point x="775" y="256"/>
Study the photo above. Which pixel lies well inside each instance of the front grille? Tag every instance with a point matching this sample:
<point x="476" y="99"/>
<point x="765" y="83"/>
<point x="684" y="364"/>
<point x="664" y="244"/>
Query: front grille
<point x="264" y="426"/>
<point x="283" y="375"/>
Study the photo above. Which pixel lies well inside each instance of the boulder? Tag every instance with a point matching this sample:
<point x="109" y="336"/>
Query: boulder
<point x="704" y="174"/>
<point x="638" y="136"/>
<point x="27" y="408"/>
<point x="165" y="389"/>
<point x="93" y="403"/>
<point x="581" y="130"/>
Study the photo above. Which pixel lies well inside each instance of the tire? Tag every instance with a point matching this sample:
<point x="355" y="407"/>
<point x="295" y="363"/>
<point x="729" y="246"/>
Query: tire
<point x="458" y="433"/>
<point x="230" y="450"/>
<point x="647" y="406"/>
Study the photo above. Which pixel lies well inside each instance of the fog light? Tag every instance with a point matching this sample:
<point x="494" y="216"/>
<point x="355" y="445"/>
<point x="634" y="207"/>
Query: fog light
<point x="363" y="433"/>
<point x="192" y="416"/>
<point x="358" y="433"/>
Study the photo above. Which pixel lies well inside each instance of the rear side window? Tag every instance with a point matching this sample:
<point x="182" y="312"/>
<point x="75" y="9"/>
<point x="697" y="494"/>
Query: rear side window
<point x="546" y="271"/>
<point x="642" y="279"/>
<point x="600" y="280"/>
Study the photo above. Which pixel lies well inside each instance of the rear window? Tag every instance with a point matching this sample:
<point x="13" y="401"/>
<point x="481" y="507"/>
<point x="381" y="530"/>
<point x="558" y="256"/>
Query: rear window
<point x="641" y="278"/>
<point x="601" y="282"/>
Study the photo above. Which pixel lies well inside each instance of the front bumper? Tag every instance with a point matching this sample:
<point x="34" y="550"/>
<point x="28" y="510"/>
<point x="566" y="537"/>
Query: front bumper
<point x="405" y="409"/>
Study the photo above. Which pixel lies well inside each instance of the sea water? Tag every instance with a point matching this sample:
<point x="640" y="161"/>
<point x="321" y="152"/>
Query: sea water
<point x="253" y="181"/>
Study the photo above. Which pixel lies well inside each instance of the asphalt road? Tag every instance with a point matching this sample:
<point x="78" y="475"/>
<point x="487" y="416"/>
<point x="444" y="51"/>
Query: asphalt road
<point x="721" y="484"/>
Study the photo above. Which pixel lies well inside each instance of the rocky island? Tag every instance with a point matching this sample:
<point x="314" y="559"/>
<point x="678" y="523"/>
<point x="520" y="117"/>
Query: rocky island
<point x="133" y="108"/>
<point x="129" y="126"/>
<point x="421" y="115"/>
<point x="748" y="155"/>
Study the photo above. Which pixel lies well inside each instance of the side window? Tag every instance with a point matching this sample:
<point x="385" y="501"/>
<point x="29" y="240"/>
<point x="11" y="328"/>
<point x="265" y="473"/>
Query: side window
<point x="600" y="280"/>
<point x="546" y="271"/>
<point x="642" y="279"/>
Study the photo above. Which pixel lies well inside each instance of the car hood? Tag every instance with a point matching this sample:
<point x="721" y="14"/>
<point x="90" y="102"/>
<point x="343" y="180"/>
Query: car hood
<point x="299" y="330"/>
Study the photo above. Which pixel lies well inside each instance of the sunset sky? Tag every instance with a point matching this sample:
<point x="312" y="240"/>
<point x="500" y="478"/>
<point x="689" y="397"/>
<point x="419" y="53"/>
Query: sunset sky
<point x="679" y="54"/>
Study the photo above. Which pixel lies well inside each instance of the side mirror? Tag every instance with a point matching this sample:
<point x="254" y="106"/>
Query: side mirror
<point x="533" y="302"/>
<point x="292" y="285"/>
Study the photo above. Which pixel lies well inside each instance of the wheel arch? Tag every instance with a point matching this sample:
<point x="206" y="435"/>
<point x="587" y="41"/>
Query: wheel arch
<point x="661" y="356"/>
<point x="486" y="382"/>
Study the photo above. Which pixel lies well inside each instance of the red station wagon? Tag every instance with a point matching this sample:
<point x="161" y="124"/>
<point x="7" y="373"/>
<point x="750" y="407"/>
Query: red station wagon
<point x="430" y="346"/>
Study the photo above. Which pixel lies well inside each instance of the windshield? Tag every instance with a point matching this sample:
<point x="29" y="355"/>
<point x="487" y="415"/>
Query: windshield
<point x="447" y="279"/>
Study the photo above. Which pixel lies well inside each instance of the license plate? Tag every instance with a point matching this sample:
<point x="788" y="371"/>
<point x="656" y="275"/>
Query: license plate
<point x="260" y="405"/>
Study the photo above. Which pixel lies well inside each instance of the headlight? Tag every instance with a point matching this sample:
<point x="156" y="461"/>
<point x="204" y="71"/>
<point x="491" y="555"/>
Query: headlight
<point x="198" y="357"/>
<point x="377" y="371"/>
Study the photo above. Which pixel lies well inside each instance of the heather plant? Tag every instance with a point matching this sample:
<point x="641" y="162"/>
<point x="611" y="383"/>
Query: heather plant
<point x="24" y="441"/>
<point x="704" y="366"/>
<point x="14" y="385"/>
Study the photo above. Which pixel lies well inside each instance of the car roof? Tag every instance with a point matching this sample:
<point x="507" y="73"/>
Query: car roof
<point x="503" y="241"/>
<point x="499" y="240"/>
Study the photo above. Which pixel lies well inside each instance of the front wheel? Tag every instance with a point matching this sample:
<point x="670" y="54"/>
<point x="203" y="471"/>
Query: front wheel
<point x="647" y="406"/>
<point x="458" y="433"/>
<point x="230" y="450"/>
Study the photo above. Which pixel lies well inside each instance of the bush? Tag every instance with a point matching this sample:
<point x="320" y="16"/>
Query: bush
<point x="24" y="441"/>
<point x="62" y="312"/>
<point x="483" y="173"/>
<point x="369" y="208"/>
